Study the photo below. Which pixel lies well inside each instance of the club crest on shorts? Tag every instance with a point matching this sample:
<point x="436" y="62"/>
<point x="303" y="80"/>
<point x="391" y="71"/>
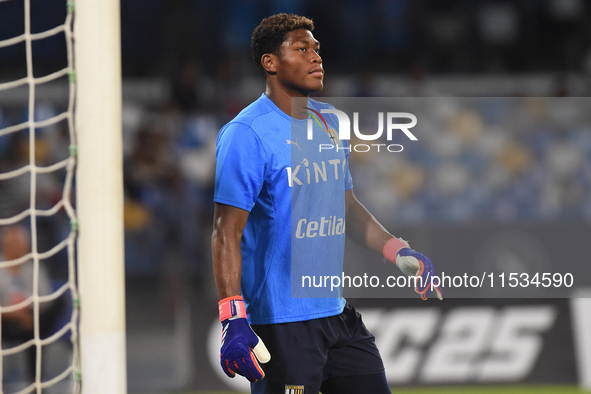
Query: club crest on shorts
<point x="293" y="389"/>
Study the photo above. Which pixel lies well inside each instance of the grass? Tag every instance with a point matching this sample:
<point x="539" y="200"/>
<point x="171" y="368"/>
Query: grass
<point x="541" y="389"/>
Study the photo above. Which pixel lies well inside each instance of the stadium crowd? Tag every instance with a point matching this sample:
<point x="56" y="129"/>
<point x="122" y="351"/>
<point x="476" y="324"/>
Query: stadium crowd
<point x="496" y="160"/>
<point x="510" y="160"/>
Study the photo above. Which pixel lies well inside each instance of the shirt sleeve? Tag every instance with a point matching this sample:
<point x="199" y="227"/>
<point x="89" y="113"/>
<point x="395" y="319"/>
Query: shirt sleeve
<point x="241" y="166"/>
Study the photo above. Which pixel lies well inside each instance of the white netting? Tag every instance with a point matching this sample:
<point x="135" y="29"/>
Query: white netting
<point x="60" y="210"/>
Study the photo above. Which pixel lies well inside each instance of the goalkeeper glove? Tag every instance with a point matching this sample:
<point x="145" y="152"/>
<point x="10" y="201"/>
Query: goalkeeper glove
<point x="241" y="347"/>
<point x="412" y="263"/>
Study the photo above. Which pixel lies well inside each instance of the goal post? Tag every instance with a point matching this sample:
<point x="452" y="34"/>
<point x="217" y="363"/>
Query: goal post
<point x="99" y="191"/>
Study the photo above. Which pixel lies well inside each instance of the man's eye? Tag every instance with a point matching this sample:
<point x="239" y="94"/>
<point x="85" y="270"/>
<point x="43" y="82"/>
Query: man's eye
<point x="317" y="50"/>
<point x="302" y="49"/>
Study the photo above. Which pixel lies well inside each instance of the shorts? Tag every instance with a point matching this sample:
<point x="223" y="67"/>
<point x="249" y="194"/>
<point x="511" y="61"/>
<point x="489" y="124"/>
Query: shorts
<point x="305" y="353"/>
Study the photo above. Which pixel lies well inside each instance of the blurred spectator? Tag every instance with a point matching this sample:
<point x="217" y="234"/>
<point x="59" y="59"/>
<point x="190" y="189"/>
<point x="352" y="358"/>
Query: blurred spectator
<point x="184" y="87"/>
<point x="17" y="286"/>
<point x="163" y="203"/>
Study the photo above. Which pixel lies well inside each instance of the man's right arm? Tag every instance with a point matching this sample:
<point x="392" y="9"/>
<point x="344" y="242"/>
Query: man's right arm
<point x="228" y="226"/>
<point x="241" y="349"/>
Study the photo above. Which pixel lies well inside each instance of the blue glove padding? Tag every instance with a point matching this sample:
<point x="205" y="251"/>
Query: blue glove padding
<point x="239" y="346"/>
<point x="424" y="269"/>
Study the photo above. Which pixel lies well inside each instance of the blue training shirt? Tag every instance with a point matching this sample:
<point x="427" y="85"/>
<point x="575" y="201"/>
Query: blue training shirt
<point x="295" y="193"/>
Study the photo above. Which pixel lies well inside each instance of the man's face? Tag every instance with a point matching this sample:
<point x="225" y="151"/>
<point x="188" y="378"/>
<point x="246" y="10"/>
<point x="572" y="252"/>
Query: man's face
<point x="299" y="66"/>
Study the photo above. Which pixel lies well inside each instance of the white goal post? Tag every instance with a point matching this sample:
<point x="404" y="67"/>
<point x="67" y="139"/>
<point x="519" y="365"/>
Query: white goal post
<point x="99" y="189"/>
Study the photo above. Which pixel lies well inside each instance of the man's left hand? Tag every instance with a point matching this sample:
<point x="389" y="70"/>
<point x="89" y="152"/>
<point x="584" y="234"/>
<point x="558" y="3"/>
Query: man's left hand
<point x="409" y="260"/>
<point x="413" y="263"/>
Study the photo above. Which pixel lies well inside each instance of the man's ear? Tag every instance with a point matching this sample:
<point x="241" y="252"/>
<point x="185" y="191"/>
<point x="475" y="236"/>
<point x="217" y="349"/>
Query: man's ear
<point x="269" y="63"/>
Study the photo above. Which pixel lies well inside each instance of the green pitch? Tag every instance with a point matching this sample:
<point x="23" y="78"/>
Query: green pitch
<point x="570" y="389"/>
<point x="493" y="389"/>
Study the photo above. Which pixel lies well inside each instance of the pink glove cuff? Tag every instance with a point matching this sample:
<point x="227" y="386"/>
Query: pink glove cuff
<point x="232" y="307"/>
<point x="392" y="248"/>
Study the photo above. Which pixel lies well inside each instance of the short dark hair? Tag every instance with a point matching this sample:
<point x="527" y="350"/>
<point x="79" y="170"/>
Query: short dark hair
<point x="270" y="34"/>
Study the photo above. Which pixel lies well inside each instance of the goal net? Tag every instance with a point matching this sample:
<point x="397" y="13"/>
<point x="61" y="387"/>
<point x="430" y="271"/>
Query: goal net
<point x="38" y="224"/>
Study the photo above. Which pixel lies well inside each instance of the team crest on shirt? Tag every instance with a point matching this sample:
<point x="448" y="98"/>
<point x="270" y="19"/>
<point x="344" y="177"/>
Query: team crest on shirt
<point x="334" y="137"/>
<point x="293" y="389"/>
<point x="317" y="116"/>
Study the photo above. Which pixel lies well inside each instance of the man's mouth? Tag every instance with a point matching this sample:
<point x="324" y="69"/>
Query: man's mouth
<point x="318" y="72"/>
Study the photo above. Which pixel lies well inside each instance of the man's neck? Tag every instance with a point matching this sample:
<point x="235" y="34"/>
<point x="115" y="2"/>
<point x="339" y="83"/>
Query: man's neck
<point x="282" y="99"/>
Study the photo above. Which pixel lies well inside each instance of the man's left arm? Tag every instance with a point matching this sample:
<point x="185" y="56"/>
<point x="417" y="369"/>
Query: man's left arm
<point x="362" y="226"/>
<point x="365" y="230"/>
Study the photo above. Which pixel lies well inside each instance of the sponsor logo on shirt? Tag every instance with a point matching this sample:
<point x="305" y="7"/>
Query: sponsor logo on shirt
<point x="326" y="226"/>
<point x="322" y="171"/>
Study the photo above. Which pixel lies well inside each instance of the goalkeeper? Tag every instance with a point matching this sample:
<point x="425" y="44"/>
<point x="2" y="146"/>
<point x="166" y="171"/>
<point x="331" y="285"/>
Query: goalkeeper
<point x="278" y="342"/>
